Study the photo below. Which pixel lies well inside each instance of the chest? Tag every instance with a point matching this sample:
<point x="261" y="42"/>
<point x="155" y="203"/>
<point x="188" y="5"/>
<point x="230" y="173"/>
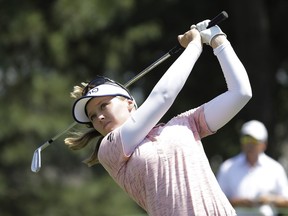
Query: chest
<point x="251" y="182"/>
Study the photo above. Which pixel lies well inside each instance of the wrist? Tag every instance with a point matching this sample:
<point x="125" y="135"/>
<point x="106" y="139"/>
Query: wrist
<point x="197" y="44"/>
<point x="218" y="40"/>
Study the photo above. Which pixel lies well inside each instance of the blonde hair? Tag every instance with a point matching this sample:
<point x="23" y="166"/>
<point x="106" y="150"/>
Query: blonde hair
<point x="79" y="140"/>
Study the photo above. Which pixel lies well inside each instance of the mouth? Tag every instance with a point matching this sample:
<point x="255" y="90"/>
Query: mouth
<point x="106" y="124"/>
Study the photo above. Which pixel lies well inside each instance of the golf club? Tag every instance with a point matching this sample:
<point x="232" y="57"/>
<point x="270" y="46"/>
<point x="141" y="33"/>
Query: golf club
<point x="36" y="160"/>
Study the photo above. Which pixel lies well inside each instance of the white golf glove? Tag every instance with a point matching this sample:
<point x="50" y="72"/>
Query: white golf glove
<point x="208" y="34"/>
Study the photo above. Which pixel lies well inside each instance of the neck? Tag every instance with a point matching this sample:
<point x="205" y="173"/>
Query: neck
<point x="252" y="159"/>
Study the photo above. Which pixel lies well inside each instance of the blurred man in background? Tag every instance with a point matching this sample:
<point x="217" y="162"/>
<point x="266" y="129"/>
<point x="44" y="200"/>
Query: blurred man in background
<point x="254" y="183"/>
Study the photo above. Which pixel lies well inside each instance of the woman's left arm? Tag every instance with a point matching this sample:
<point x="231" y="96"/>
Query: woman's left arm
<point x="224" y="107"/>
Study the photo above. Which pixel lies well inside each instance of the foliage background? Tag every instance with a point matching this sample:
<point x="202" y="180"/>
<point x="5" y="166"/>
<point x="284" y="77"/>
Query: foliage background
<point x="47" y="47"/>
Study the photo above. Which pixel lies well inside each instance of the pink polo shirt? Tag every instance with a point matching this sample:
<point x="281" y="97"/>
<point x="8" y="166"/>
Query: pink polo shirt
<point x="168" y="173"/>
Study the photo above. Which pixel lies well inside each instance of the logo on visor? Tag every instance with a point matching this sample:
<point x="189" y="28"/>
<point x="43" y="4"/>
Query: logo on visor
<point x="92" y="91"/>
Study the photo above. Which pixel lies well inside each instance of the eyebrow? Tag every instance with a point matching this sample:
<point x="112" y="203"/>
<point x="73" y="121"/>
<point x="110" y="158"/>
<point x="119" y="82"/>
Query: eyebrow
<point x="101" y="100"/>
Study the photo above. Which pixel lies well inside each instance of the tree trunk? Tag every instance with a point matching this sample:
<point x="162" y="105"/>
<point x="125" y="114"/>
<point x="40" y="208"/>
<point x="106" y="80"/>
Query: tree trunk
<point x="253" y="44"/>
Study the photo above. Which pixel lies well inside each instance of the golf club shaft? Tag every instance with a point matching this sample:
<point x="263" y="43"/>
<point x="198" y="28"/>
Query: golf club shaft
<point x="147" y="70"/>
<point x="47" y="143"/>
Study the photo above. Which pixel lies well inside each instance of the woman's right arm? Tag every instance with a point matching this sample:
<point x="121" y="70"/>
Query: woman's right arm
<point x="163" y="94"/>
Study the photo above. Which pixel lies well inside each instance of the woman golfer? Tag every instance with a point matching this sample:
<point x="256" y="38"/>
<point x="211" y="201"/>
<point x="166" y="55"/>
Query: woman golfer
<point x="163" y="167"/>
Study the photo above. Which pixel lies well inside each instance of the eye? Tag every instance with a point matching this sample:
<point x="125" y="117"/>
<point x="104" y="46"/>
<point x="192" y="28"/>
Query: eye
<point x="103" y="106"/>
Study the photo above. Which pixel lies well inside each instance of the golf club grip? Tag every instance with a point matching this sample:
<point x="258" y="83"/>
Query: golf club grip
<point x="218" y="19"/>
<point x="215" y="21"/>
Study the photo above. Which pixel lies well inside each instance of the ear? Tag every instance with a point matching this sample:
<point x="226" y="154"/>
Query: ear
<point x="264" y="146"/>
<point x="130" y="105"/>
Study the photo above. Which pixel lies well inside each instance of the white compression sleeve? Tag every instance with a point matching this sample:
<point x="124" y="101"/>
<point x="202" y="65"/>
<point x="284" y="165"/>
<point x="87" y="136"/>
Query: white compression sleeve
<point x="223" y="108"/>
<point x="160" y="99"/>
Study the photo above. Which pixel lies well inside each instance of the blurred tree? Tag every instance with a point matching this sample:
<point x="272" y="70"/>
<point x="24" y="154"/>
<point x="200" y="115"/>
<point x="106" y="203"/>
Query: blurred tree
<point x="46" y="47"/>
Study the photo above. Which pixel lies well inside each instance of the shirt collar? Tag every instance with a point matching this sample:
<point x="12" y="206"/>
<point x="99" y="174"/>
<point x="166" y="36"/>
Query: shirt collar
<point x="260" y="162"/>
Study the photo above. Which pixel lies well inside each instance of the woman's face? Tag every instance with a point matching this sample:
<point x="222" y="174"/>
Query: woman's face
<point x="108" y="113"/>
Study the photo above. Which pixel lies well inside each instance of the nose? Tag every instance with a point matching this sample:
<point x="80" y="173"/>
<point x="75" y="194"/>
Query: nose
<point x="101" y="117"/>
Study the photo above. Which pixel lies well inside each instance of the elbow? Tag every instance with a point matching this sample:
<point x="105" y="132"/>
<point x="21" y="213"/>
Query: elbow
<point x="248" y="93"/>
<point x="167" y="97"/>
<point x="164" y="97"/>
<point x="244" y="92"/>
<point x="245" y="95"/>
<point x="247" y="98"/>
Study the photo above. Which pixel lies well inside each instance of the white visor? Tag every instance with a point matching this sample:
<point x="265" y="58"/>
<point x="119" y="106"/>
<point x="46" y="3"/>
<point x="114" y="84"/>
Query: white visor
<point x="107" y="89"/>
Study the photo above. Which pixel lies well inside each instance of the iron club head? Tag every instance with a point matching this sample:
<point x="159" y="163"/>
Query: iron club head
<point x="36" y="160"/>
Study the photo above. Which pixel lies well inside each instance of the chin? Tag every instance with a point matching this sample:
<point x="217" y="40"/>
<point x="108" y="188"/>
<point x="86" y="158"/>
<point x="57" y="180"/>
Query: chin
<point x="108" y="130"/>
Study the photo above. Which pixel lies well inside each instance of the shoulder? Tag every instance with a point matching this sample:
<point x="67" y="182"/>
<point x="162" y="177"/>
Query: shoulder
<point x="112" y="137"/>
<point x="269" y="161"/>
<point x="232" y="163"/>
<point x="195" y="118"/>
<point x="111" y="147"/>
